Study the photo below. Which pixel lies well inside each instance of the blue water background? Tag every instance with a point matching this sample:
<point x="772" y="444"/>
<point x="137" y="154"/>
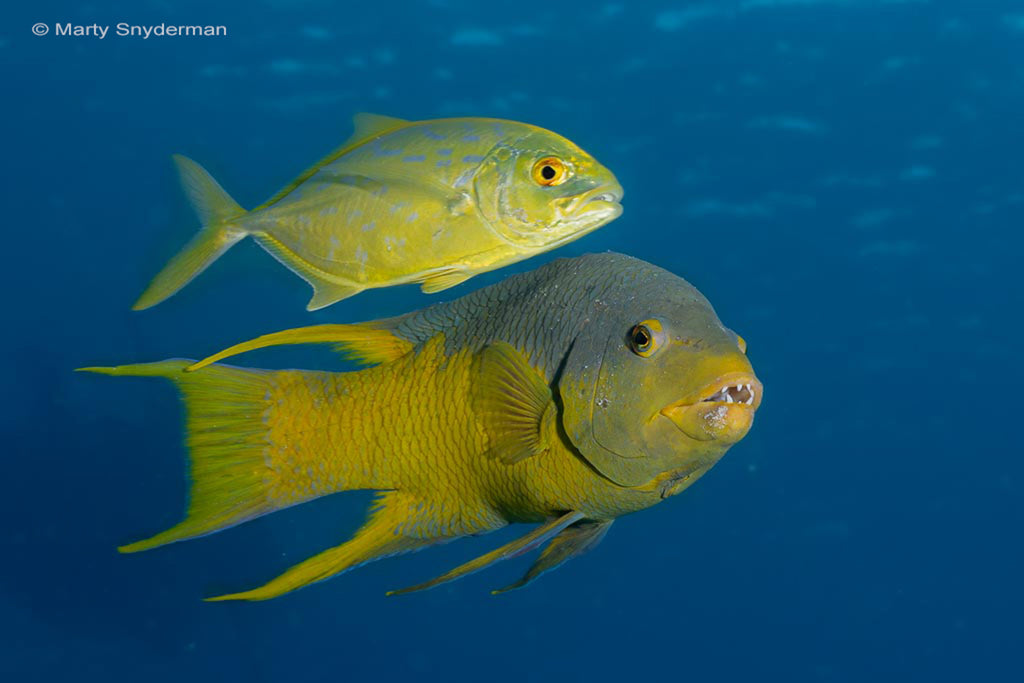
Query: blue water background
<point x="842" y="179"/>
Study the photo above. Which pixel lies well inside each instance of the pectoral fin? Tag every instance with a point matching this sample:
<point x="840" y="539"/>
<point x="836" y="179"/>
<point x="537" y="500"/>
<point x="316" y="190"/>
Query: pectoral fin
<point x="364" y="343"/>
<point x="514" y="403"/>
<point x="517" y="547"/>
<point x="572" y="542"/>
<point x="442" y="280"/>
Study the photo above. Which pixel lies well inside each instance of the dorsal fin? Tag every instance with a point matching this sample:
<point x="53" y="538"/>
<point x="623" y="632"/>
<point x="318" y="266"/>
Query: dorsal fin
<point x="364" y="343"/>
<point x="366" y="126"/>
<point x="371" y="125"/>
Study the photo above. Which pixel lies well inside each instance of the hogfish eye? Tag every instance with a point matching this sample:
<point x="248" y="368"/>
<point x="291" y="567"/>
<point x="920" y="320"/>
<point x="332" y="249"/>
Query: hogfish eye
<point x="645" y="338"/>
<point x="550" y="171"/>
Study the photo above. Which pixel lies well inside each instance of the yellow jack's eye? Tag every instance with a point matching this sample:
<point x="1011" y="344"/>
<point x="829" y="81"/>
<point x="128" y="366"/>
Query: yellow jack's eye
<point x="550" y="171"/>
<point x="645" y="338"/>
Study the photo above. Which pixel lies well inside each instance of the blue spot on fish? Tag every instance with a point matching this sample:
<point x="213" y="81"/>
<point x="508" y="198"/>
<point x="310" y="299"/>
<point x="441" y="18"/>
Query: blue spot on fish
<point x="388" y="152"/>
<point x="443" y="163"/>
<point x="415" y="157"/>
<point x="471" y="138"/>
<point x="432" y="135"/>
<point x="410" y="219"/>
<point x="367" y="227"/>
<point x="328" y="211"/>
<point x="472" y="158"/>
<point x="445" y="151"/>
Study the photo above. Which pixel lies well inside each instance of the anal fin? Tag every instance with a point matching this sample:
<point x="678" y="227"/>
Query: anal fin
<point x="517" y="547"/>
<point x="376" y="539"/>
<point x="327" y="288"/>
<point x="327" y="293"/>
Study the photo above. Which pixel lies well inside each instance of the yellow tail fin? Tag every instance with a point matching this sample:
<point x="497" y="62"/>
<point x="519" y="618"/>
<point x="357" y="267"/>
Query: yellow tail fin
<point x="227" y="441"/>
<point x="217" y="211"/>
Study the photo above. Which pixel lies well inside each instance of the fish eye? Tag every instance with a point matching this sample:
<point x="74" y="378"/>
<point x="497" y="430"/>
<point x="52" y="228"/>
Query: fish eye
<point x="645" y="338"/>
<point x="550" y="171"/>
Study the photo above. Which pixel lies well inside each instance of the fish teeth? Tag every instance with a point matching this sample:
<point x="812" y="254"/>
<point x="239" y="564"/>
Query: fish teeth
<point x="734" y="394"/>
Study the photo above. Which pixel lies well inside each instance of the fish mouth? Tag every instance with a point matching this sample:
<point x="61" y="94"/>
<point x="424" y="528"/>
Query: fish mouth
<point x="608" y="196"/>
<point x="723" y="410"/>
<point x="592" y="209"/>
<point x="734" y="393"/>
<point x="600" y="198"/>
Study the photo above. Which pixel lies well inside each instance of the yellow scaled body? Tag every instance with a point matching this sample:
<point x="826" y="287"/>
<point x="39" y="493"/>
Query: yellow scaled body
<point x="431" y="202"/>
<point x="588" y="389"/>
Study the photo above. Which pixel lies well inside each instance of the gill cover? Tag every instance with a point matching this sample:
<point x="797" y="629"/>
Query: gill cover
<point x="529" y="210"/>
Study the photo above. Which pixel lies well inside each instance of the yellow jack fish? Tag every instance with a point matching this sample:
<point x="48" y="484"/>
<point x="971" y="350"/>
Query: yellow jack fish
<point x="565" y="397"/>
<point x="430" y="202"/>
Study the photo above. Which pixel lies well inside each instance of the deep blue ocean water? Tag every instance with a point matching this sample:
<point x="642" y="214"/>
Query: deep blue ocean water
<point x="841" y="178"/>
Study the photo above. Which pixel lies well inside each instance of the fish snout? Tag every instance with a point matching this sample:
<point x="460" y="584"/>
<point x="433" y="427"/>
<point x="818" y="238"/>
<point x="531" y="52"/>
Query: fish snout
<point x="723" y="411"/>
<point x="596" y="206"/>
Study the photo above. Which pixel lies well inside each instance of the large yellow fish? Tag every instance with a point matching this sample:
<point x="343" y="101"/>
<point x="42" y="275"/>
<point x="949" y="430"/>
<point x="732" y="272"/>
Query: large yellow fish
<point x="431" y="202"/>
<point x="567" y="396"/>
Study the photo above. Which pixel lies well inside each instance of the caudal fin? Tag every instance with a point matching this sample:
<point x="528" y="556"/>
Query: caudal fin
<point x="216" y="211"/>
<point x="230" y="469"/>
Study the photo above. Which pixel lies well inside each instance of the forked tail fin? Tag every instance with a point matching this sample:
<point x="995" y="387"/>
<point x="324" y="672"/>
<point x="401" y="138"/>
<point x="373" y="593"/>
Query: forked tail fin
<point x="216" y="212"/>
<point x="235" y="476"/>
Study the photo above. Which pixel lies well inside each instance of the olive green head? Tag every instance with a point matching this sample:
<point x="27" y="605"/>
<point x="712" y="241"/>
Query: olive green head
<point x="539" y="190"/>
<point x="656" y="385"/>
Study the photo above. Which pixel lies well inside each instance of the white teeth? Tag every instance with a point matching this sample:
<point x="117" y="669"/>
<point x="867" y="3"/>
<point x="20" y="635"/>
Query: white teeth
<point x="733" y="394"/>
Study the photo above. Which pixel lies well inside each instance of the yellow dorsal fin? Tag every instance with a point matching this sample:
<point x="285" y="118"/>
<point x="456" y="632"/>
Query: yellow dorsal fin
<point x="365" y="343"/>
<point x="366" y="126"/>
<point x="371" y="125"/>
<point x="514" y="403"/>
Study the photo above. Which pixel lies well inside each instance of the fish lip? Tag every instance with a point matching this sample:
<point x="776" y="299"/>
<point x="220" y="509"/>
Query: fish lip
<point x="721" y="383"/>
<point x="607" y="194"/>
